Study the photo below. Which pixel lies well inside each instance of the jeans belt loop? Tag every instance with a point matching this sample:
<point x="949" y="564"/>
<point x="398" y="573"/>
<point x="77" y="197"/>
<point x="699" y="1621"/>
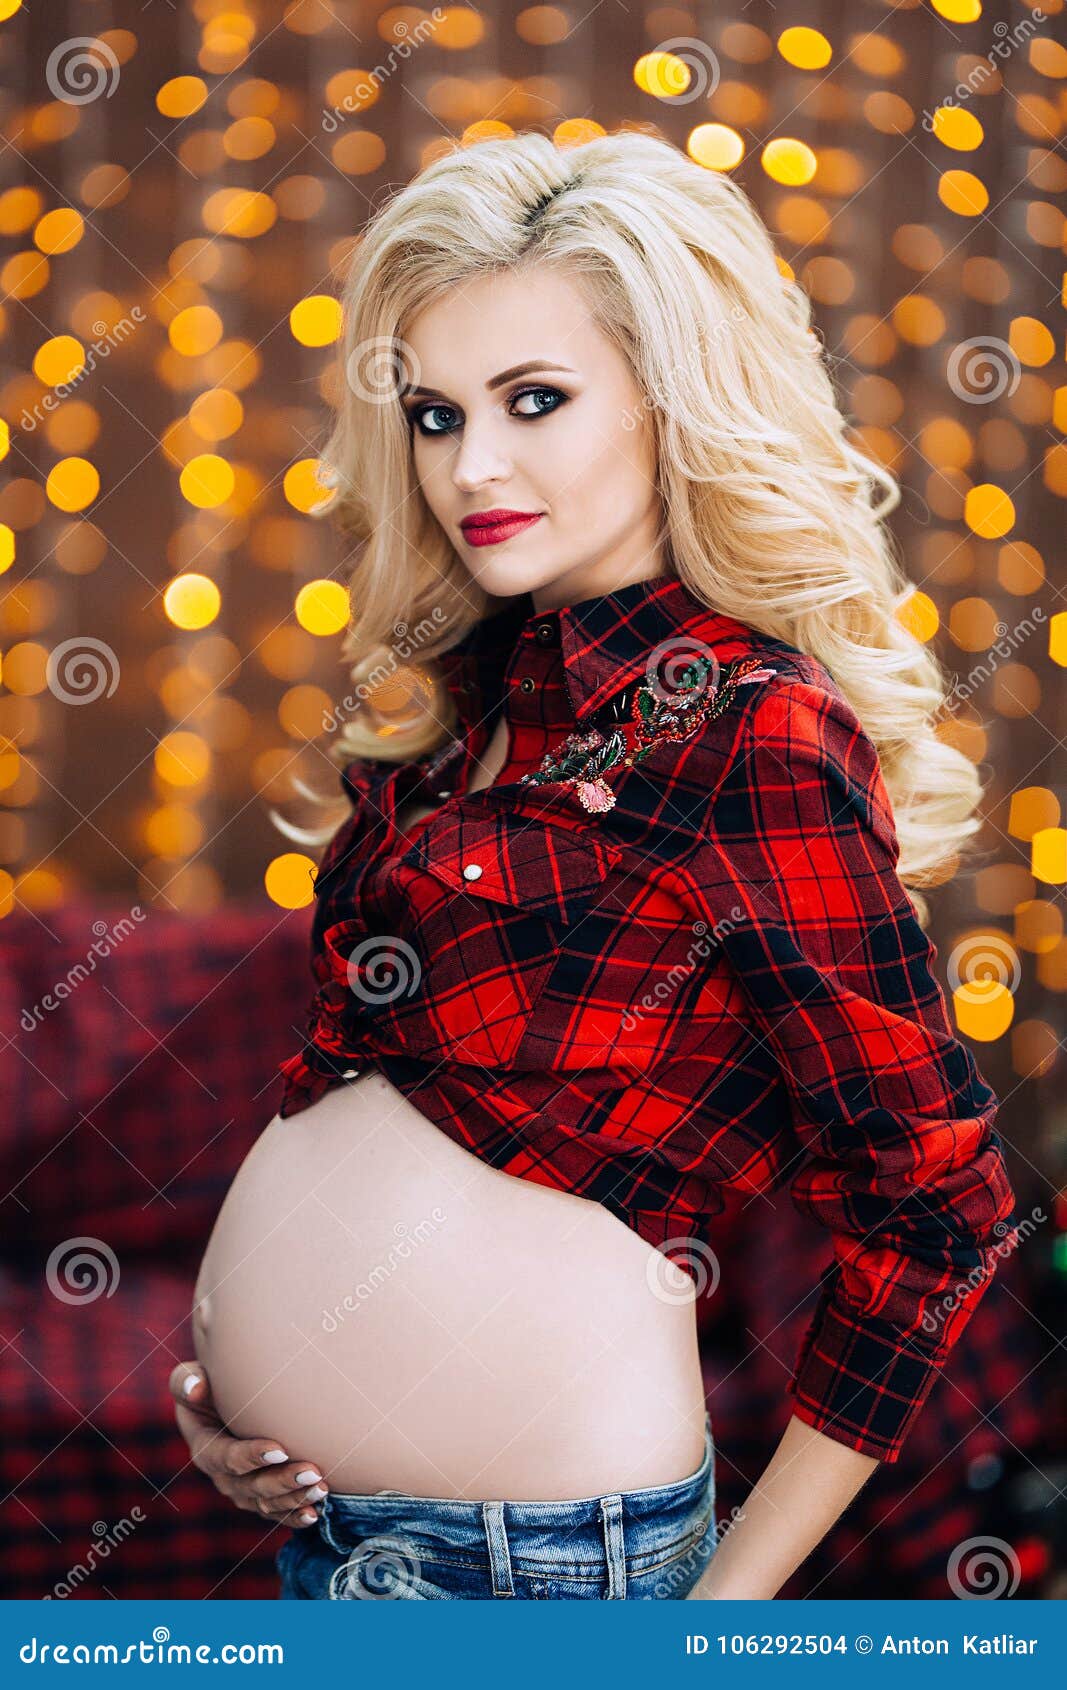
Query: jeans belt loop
<point x="611" y="1511"/>
<point x="499" y="1556"/>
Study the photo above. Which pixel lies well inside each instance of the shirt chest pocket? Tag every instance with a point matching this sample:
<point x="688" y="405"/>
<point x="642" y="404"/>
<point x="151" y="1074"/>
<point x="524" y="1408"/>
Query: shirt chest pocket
<point x="477" y="909"/>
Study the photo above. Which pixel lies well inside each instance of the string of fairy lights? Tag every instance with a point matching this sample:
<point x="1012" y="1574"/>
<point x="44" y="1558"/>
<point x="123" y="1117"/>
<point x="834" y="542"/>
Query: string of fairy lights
<point x="271" y="128"/>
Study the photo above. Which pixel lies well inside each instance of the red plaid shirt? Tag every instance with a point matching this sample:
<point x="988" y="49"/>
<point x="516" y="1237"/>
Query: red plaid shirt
<point x="712" y="978"/>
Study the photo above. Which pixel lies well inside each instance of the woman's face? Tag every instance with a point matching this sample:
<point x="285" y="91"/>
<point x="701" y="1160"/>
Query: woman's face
<point x="568" y="440"/>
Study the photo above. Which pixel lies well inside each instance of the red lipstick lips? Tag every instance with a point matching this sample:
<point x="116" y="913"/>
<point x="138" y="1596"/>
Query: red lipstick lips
<point x="488" y="528"/>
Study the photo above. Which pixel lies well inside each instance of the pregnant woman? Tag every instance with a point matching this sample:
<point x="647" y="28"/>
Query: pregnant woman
<point x="615" y="923"/>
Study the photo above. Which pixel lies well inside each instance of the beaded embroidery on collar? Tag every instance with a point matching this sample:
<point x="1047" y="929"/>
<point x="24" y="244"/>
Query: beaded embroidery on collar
<point x="585" y="758"/>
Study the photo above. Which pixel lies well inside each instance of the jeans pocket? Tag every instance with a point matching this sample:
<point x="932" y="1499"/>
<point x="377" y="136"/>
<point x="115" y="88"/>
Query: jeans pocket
<point x="382" y="1569"/>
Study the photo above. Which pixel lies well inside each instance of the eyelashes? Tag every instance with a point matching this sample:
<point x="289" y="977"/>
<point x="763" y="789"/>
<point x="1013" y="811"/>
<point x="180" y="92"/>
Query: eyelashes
<point x="418" y="413"/>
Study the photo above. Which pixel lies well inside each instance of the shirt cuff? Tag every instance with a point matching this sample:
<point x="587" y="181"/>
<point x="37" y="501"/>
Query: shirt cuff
<point x="860" y="1380"/>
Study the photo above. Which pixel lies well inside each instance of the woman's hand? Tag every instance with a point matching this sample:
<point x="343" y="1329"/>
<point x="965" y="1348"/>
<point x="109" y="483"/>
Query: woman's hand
<point x="252" y="1472"/>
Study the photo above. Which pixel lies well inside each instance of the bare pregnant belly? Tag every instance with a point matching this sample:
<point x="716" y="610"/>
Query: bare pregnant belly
<point x="383" y="1303"/>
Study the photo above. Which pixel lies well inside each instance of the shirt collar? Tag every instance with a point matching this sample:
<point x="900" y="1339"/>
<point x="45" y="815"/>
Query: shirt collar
<point x="605" y="642"/>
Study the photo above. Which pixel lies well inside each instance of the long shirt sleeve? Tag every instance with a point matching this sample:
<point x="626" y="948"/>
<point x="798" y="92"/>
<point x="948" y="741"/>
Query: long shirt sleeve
<point x="896" y="1150"/>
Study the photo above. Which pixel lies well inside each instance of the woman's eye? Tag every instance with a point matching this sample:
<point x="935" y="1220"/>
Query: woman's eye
<point x="420" y="417"/>
<point x="423" y="417"/>
<point x="539" y="393"/>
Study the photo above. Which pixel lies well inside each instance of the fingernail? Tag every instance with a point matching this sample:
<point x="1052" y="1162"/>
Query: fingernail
<point x="275" y="1455"/>
<point x="309" y="1516"/>
<point x="314" y="1495"/>
<point x="308" y="1477"/>
<point x="190" y="1382"/>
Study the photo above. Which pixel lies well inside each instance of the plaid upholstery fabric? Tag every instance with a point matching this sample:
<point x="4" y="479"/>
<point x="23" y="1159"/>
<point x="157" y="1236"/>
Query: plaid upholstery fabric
<point x="89" y="1432"/>
<point x="129" y="1107"/>
<point x="718" y="982"/>
<point x="136" y="1097"/>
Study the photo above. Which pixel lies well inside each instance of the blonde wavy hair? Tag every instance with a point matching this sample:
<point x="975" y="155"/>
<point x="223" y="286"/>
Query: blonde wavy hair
<point x="773" y="517"/>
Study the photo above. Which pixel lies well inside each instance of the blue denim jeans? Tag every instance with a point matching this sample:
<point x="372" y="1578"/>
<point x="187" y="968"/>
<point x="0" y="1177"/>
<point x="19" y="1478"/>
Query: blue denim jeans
<point x="634" y="1546"/>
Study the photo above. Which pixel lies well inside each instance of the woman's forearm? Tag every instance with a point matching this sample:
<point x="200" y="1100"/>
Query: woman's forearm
<point x="805" y="1487"/>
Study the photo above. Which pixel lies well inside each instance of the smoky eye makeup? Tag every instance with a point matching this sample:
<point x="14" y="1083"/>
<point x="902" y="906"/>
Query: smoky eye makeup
<point x="535" y="392"/>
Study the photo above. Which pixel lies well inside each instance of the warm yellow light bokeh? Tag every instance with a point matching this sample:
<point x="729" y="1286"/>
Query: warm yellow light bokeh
<point x="963" y="192"/>
<point x="195" y="330"/>
<point x="60" y="230"/>
<point x="983" y="1009"/>
<point x="716" y="146"/>
<point x="19" y="208"/>
<point x="216" y="414"/>
<point x="173" y="831"/>
<point x="290" y="880"/>
<point x="72" y="484"/>
<point x="59" y="360"/>
<point x="181" y="96"/>
<point x="322" y="607"/>
<point x="302" y="487"/>
<point x="182" y="759"/>
<point x="958" y="11"/>
<point x="918" y="614"/>
<point x="1032" y="341"/>
<point x="663" y="75"/>
<point x="207" y="480"/>
<point x="789" y="161"/>
<point x="316" y="320"/>
<point x="240" y="212"/>
<point x="192" y="600"/>
<point x="957" y="128"/>
<point x="807" y="49"/>
<point x="988" y="511"/>
<point x="1048" y="855"/>
<point x="1030" y="809"/>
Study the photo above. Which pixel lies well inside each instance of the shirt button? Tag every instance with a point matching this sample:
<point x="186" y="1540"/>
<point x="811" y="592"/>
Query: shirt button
<point x="445" y="792"/>
<point x="350" y="1073"/>
<point x="472" y="871"/>
<point x="527" y="683"/>
<point x="544" y="633"/>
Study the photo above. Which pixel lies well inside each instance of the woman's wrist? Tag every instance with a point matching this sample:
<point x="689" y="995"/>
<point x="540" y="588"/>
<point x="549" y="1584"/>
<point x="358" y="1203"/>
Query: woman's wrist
<point x="709" y="1589"/>
<point x="804" y="1489"/>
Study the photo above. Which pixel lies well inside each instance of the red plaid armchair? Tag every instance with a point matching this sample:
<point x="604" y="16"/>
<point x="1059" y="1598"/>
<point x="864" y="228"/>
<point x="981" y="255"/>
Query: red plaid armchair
<point x="132" y="1102"/>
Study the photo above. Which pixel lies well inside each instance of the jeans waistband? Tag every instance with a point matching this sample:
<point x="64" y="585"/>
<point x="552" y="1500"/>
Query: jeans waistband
<point x="348" y="1517"/>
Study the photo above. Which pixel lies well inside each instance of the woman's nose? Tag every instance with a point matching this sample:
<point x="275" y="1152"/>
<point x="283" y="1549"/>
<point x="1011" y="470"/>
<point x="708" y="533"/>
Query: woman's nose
<point x="478" y="461"/>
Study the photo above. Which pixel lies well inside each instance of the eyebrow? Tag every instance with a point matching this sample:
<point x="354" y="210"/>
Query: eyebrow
<point x="496" y="381"/>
